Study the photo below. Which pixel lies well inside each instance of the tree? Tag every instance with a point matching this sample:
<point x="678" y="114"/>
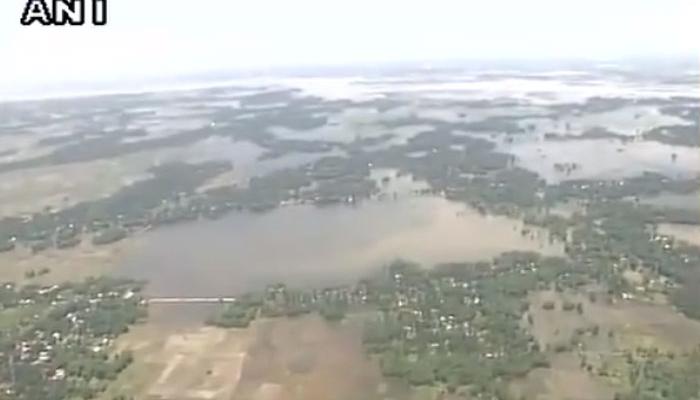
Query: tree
<point x="421" y="373"/>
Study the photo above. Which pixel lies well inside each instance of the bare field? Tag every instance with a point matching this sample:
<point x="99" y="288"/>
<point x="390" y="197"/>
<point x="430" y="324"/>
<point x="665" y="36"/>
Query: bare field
<point x="563" y="381"/>
<point x="186" y="363"/>
<point x="660" y="324"/>
<point x="594" y="369"/>
<point x="308" y="359"/>
<point x="279" y="359"/>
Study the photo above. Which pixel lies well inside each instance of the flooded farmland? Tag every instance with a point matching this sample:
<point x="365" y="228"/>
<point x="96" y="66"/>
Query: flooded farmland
<point x="604" y="159"/>
<point x="308" y="246"/>
<point x="219" y="191"/>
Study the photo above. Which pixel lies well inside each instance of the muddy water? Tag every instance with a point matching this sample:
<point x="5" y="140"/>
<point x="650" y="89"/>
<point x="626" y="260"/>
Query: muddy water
<point x="687" y="201"/>
<point x="604" y="159"/>
<point x="308" y="246"/>
<point x="244" y="156"/>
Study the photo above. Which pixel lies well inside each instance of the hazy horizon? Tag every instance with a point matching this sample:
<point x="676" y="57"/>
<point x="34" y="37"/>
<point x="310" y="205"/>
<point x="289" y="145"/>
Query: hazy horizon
<point x="161" y="39"/>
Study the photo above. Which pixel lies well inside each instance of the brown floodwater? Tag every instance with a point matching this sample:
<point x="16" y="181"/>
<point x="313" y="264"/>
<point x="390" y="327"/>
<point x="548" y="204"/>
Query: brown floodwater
<point x="683" y="201"/>
<point x="306" y="246"/>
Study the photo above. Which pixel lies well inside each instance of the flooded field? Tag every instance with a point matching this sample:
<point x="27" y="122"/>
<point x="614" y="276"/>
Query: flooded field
<point x="627" y="121"/>
<point x="562" y="125"/>
<point x="307" y="246"/>
<point x="689" y="201"/>
<point x="31" y="190"/>
<point x="604" y="159"/>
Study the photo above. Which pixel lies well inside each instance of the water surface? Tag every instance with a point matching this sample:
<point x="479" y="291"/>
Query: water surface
<point x="309" y="246"/>
<point x="604" y="158"/>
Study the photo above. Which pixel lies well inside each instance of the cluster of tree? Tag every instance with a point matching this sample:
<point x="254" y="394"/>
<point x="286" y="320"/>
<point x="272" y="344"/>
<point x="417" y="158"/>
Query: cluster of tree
<point x="659" y="377"/>
<point x="63" y="350"/>
<point x="109" y="235"/>
<point x="233" y="316"/>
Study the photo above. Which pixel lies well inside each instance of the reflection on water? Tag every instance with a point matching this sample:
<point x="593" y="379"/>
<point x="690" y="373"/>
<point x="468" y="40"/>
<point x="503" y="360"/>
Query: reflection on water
<point x="308" y="246"/>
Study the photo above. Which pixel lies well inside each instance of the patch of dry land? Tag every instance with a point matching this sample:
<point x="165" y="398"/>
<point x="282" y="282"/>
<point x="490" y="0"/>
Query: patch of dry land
<point x="303" y="358"/>
<point x="181" y="361"/>
<point x="589" y="347"/>
<point x="307" y="358"/>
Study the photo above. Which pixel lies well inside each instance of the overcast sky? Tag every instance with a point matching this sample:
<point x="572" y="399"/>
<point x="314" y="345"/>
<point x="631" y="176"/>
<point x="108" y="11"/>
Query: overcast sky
<point x="155" y="37"/>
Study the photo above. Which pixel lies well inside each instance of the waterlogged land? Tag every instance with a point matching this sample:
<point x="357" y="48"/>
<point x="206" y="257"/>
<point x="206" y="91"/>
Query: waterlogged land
<point x="324" y="183"/>
<point x="327" y="246"/>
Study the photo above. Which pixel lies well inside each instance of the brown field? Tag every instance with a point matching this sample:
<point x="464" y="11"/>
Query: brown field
<point x="659" y="324"/>
<point x="633" y="324"/>
<point x="281" y="359"/>
<point x="309" y="359"/>
<point x="183" y="361"/>
<point x="563" y="381"/>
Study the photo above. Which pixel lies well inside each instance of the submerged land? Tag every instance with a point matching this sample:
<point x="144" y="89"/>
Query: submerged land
<point x="419" y="234"/>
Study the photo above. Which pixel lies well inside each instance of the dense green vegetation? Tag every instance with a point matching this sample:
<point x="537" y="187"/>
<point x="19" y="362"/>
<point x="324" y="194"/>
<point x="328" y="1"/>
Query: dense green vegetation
<point x="59" y="343"/>
<point x="656" y="376"/>
<point x="457" y="325"/>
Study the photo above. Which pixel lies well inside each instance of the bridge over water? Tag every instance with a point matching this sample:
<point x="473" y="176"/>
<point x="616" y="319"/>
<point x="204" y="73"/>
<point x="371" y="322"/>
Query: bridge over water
<point x="190" y="300"/>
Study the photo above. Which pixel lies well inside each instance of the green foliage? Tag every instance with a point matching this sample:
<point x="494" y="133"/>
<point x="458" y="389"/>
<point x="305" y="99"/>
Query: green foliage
<point x="71" y="331"/>
<point x="233" y="316"/>
<point x="109" y="236"/>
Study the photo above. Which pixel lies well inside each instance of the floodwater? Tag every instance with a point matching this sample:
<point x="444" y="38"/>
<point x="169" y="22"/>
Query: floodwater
<point x="604" y="158"/>
<point x="244" y="156"/>
<point x="685" y="201"/>
<point x="626" y="121"/>
<point x="309" y="247"/>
